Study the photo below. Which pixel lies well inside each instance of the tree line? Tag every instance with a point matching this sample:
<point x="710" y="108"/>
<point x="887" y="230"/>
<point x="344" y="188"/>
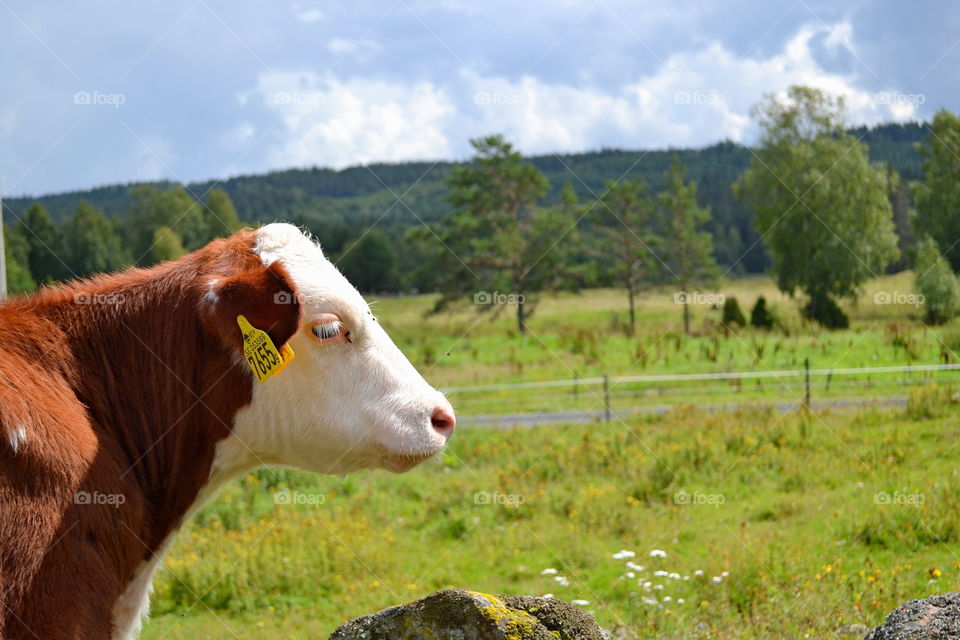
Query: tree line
<point x="830" y="217"/>
<point x="825" y="214"/>
<point x="162" y="224"/>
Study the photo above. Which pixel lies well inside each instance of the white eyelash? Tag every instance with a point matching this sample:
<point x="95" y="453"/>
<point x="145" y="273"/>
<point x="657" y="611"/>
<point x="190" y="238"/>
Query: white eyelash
<point x="327" y="330"/>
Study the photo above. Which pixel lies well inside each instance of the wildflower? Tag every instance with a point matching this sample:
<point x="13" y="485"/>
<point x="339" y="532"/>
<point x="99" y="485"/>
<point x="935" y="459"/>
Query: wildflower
<point x="717" y="579"/>
<point x="667" y="599"/>
<point x="548" y="572"/>
<point x="660" y="573"/>
<point x="622" y="554"/>
<point x="547" y="595"/>
<point x="725" y="574"/>
<point x="650" y="600"/>
<point x="630" y="574"/>
<point x="562" y="581"/>
<point x="634" y="566"/>
<point x="581" y="603"/>
<point x="674" y="576"/>
<point x="681" y="601"/>
<point x="658" y="553"/>
<point x="698" y="572"/>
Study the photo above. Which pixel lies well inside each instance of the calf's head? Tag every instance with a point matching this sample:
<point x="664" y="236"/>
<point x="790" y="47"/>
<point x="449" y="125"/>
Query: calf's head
<point x="349" y="399"/>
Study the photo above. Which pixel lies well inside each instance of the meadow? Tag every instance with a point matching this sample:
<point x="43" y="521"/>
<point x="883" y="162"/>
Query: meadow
<point x="751" y="523"/>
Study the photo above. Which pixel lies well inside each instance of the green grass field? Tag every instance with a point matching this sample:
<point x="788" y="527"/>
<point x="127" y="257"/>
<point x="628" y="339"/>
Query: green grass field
<point x="578" y="336"/>
<point x="773" y="525"/>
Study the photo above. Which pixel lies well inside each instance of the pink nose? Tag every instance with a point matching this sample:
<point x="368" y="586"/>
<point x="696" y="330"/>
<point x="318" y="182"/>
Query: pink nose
<point x="443" y="421"/>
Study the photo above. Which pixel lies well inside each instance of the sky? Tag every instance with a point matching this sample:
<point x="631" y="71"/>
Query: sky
<point x="103" y="91"/>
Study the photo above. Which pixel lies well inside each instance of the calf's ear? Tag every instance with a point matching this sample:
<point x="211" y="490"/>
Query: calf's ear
<point x="265" y="296"/>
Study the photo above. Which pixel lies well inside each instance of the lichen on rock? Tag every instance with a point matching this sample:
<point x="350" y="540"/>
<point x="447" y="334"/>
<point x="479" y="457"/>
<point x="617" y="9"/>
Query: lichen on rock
<point x="457" y="614"/>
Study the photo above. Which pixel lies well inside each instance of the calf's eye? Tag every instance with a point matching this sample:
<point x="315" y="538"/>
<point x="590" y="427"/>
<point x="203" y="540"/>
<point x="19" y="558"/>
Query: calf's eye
<point x="330" y="328"/>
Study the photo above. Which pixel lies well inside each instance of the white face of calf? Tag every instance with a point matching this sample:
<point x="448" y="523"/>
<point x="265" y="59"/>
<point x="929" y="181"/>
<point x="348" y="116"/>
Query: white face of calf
<point x="349" y="399"/>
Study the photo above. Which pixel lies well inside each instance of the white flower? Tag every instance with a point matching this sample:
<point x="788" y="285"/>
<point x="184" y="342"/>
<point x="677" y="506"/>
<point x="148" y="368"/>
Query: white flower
<point x="680" y="601"/>
<point x="645" y="585"/>
<point x="630" y="574"/>
<point x="548" y="572"/>
<point x="649" y="600"/>
<point x="725" y="574"/>
<point x="686" y="577"/>
<point x="667" y="599"/>
<point x="658" y="553"/>
<point x="674" y="576"/>
<point x="582" y="603"/>
<point x="658" y="587"/>
<point x="634" y="566"/>
<point x="698" y="572"/>
<point x="547" y="595"/>
<point x="660" y="573"/>
<point x="564" y="582"/>
<point x="622" y="554"/>
<point x="717" y="579"/>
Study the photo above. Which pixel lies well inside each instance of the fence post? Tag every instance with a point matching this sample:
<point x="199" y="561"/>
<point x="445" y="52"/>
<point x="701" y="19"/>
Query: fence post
<point x="806" y="378"/>
<point x="606" y="398"/>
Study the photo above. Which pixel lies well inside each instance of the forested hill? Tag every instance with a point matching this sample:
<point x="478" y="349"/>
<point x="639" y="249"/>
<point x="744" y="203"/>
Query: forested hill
<point x="345" y="201"/>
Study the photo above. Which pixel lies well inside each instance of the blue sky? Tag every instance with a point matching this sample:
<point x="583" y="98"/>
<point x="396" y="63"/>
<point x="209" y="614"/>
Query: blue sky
<point x="103" y="92"/>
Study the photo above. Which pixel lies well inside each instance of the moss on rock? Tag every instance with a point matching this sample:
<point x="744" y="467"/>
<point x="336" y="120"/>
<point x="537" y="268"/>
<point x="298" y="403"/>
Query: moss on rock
<point x="457" y="614"/>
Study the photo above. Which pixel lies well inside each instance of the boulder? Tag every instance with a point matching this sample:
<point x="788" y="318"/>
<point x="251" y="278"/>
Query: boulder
<point x="456" y="614"/>
<point x="933" y="618"/>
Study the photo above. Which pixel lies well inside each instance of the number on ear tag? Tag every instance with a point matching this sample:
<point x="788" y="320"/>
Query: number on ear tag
<point x="261" y="354"/>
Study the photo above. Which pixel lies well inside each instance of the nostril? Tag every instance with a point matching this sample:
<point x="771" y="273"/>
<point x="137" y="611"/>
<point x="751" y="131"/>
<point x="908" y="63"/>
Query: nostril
<point x="443" y="421"/>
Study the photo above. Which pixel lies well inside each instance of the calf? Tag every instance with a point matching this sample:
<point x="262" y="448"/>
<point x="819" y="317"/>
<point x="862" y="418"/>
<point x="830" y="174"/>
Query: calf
<point x="127" y="400"/>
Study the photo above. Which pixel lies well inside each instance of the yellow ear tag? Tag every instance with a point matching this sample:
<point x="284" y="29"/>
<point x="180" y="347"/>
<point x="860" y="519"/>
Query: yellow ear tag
<point x="262" y="355"/>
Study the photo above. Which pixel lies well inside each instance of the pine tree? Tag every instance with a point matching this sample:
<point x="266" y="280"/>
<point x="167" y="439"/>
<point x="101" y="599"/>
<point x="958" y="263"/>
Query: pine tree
<point x="687" y="250"/>
<point x="91" y="244"/>
<point x="624" y="229"/>
<point x="220" y="216"/>
<point x="44" y="247"/>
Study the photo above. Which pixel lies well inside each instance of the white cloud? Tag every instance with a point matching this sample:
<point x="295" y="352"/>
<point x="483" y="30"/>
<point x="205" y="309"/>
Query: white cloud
<point x="360" y="48"/>
<point x="840" y="35"/>
<point x="696" y="97"/>
<point x="238" y="137"/>
<point x="308" y="16"/>
<point x="335" y="123"/>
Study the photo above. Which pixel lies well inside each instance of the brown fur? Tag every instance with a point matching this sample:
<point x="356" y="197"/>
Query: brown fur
<point x="126" y="395"/>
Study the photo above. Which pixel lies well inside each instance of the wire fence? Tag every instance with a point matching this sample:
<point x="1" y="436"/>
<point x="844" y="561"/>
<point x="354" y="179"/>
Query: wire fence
<point x="600" y="397"/>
